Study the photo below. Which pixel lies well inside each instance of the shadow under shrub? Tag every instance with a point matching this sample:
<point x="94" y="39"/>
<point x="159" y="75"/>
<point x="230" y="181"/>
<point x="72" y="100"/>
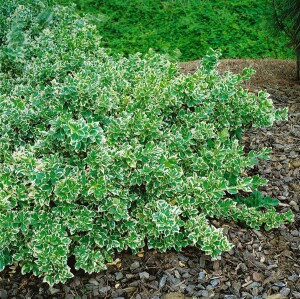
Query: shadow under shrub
<point x="99" y="153"/>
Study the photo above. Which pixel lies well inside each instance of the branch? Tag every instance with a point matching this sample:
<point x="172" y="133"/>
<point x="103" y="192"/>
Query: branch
<point x="281" y="25"/>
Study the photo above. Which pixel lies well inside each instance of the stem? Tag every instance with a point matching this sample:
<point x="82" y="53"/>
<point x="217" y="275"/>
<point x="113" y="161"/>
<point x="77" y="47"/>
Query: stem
<point x="298" y="62"/>
<point x="279" y="20"/>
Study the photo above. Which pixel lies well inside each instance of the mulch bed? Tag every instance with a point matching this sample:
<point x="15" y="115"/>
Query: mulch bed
<point x="261" y="265"/>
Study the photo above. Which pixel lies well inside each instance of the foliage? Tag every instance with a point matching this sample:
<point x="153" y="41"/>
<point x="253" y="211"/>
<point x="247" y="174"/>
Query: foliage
<point x="257" y="200"/>
<point x="287" y="17"/>
<point x="101" y="153"/>
<point x="238" y="28"/>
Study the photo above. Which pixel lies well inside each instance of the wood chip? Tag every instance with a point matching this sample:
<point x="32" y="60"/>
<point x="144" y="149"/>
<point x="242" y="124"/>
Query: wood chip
<point x="275" y="296"/>
<point x="247" y="283"/>
<point x="294" y="164"/>
<point x="257" y="277"/>
<point x="295" y="187"/>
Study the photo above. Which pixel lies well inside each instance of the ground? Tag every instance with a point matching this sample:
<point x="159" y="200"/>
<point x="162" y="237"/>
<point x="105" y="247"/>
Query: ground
<point x="261" y="265"/>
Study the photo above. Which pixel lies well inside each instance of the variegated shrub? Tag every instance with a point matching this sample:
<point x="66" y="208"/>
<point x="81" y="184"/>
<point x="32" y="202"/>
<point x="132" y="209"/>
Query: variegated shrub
<point x="102" y="153"/>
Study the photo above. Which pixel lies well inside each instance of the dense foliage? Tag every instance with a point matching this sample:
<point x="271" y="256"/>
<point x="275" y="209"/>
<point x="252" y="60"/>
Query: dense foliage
<point x="99" y="153"/>
<point x="238" y="28"/>
<point x="287" y="18"/>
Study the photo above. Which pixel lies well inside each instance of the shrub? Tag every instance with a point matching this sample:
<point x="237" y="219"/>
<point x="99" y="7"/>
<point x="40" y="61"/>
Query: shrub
<point x="101" y="153"/>
<point x="239" y="28"/>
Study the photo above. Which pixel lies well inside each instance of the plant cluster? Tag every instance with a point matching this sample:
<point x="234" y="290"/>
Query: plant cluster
<point x="101" y="153"/>
<point x="240" y="29"/>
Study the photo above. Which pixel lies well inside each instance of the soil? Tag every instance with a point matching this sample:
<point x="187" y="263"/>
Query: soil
<point x="261" y="265"/>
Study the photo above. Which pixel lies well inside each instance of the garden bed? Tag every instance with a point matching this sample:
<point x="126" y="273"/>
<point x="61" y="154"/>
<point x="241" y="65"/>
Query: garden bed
<point x="261" y="265"/>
